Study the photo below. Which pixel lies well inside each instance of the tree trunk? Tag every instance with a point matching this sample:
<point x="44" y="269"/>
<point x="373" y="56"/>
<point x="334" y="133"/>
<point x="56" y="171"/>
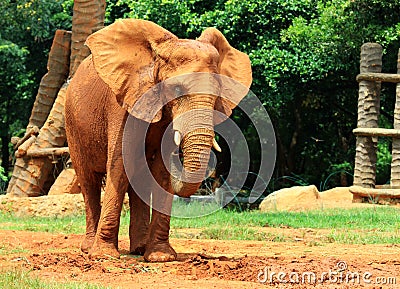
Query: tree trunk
<point x="58" y="67"/>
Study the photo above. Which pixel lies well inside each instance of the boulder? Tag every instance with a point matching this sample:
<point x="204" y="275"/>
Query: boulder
<point x="66" y="183"/>
<point x="292" y="199"/>
<point x="339" y="194"/>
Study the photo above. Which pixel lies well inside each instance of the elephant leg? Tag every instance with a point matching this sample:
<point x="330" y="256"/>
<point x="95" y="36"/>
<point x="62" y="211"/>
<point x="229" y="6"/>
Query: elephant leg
<point x="106" y="240"/>
<point x="158" y="248"/>
<point x="139" y="221"/>
<point x="91" y="190"/>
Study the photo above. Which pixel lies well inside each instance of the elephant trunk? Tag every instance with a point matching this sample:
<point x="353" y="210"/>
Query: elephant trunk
<point x="196" y="147"/>
<point x="196" y="153"/>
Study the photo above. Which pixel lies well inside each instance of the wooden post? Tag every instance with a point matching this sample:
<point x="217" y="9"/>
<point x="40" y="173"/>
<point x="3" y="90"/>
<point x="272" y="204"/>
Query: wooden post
<point x="58" y="68"/>
<point x="395" y="170"/>
<point x="88" y="17"/>
<point x="29" y="177"/>
<point x="368" y="114"/>
<point x="34" y="172"/>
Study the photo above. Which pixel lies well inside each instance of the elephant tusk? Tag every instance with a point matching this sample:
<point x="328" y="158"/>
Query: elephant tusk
<point x="216" y="145"/>
<point x="177" y="138"/>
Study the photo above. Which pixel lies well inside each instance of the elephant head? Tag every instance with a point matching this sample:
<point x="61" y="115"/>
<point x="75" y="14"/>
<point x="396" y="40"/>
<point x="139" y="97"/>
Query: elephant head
<point x="132" y="56"/>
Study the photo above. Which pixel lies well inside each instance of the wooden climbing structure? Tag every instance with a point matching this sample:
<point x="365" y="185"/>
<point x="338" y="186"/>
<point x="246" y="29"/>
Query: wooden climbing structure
<point x="42" y="153"/>
<point x="367" y="131"/>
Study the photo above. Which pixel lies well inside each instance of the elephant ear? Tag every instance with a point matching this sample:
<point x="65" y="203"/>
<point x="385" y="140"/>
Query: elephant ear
<point x="232" y="63"/>
<point x="124" y="57"/>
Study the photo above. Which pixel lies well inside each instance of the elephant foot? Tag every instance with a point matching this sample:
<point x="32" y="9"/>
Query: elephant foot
<point x="103" y="250"/>
<point x="161" y="252"/>
<point x="137" y="249"/>
<point x="138" y="241"/>
<point x="87" y="244"/>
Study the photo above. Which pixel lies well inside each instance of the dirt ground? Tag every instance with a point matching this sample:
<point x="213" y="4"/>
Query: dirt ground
<point x="208" y="263"/>
<point x="307" y="260"/>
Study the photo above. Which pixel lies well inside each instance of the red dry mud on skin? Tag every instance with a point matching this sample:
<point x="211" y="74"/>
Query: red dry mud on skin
<point x="200" y="264"/>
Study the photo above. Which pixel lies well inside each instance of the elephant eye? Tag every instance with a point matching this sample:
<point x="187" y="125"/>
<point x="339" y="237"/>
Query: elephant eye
<point x="178" y="90"/>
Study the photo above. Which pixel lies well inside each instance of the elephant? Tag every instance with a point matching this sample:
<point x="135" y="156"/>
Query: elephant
<point x="129" y="58"/>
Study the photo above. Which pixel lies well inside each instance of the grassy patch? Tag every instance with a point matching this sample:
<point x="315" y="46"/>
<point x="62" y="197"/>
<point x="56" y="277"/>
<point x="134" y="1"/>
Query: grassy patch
<point x="21" y="280"/>
<point x="349" y="226"/>
<point x="193" y="209"/>
<point x="362" y="237"/>
<point x="241" y="233"/>
<point x="380" y="218"/>
<point x="352" y="226"/>
<point x="66" y="225"/>
<point x="5" y="250"/>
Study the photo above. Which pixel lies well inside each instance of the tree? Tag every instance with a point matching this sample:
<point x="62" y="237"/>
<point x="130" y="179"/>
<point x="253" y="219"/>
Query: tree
<point x="12" y="83"/>
<point x="304" y="53"/>
<point x="325" y="53"/>
<point x="27" y="31"/>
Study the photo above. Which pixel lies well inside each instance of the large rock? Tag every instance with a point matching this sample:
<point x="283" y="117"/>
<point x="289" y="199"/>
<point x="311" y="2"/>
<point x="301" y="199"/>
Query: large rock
<point x="292" y="199"/>
<point x="339" y="194"/>
<point x="66" y="183"/>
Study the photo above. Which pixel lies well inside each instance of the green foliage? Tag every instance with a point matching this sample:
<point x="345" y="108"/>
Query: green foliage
<point x="3" y="180"/>
<point x="14" y="81"/>
<point x="27" y="29"/>
<point x="384" y="160"/>
<point x="3" y="177"/>
<point x="330" y="45"/>
<point x="35" y="18"/>
<point x="305" y="56"/>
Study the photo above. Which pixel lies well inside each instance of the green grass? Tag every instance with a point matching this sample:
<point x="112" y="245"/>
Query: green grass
<point x="22" y="280"/>
<point x="66" y="225"/>
<point x="193" y="209"/>
<point x="241" y="233"/>
<point x="351" y="226"/>
<point x="5" y="250"/>
<point x="347" y="226"/>
<point x="382" y="218"/>
<point x="368" y="237"/>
